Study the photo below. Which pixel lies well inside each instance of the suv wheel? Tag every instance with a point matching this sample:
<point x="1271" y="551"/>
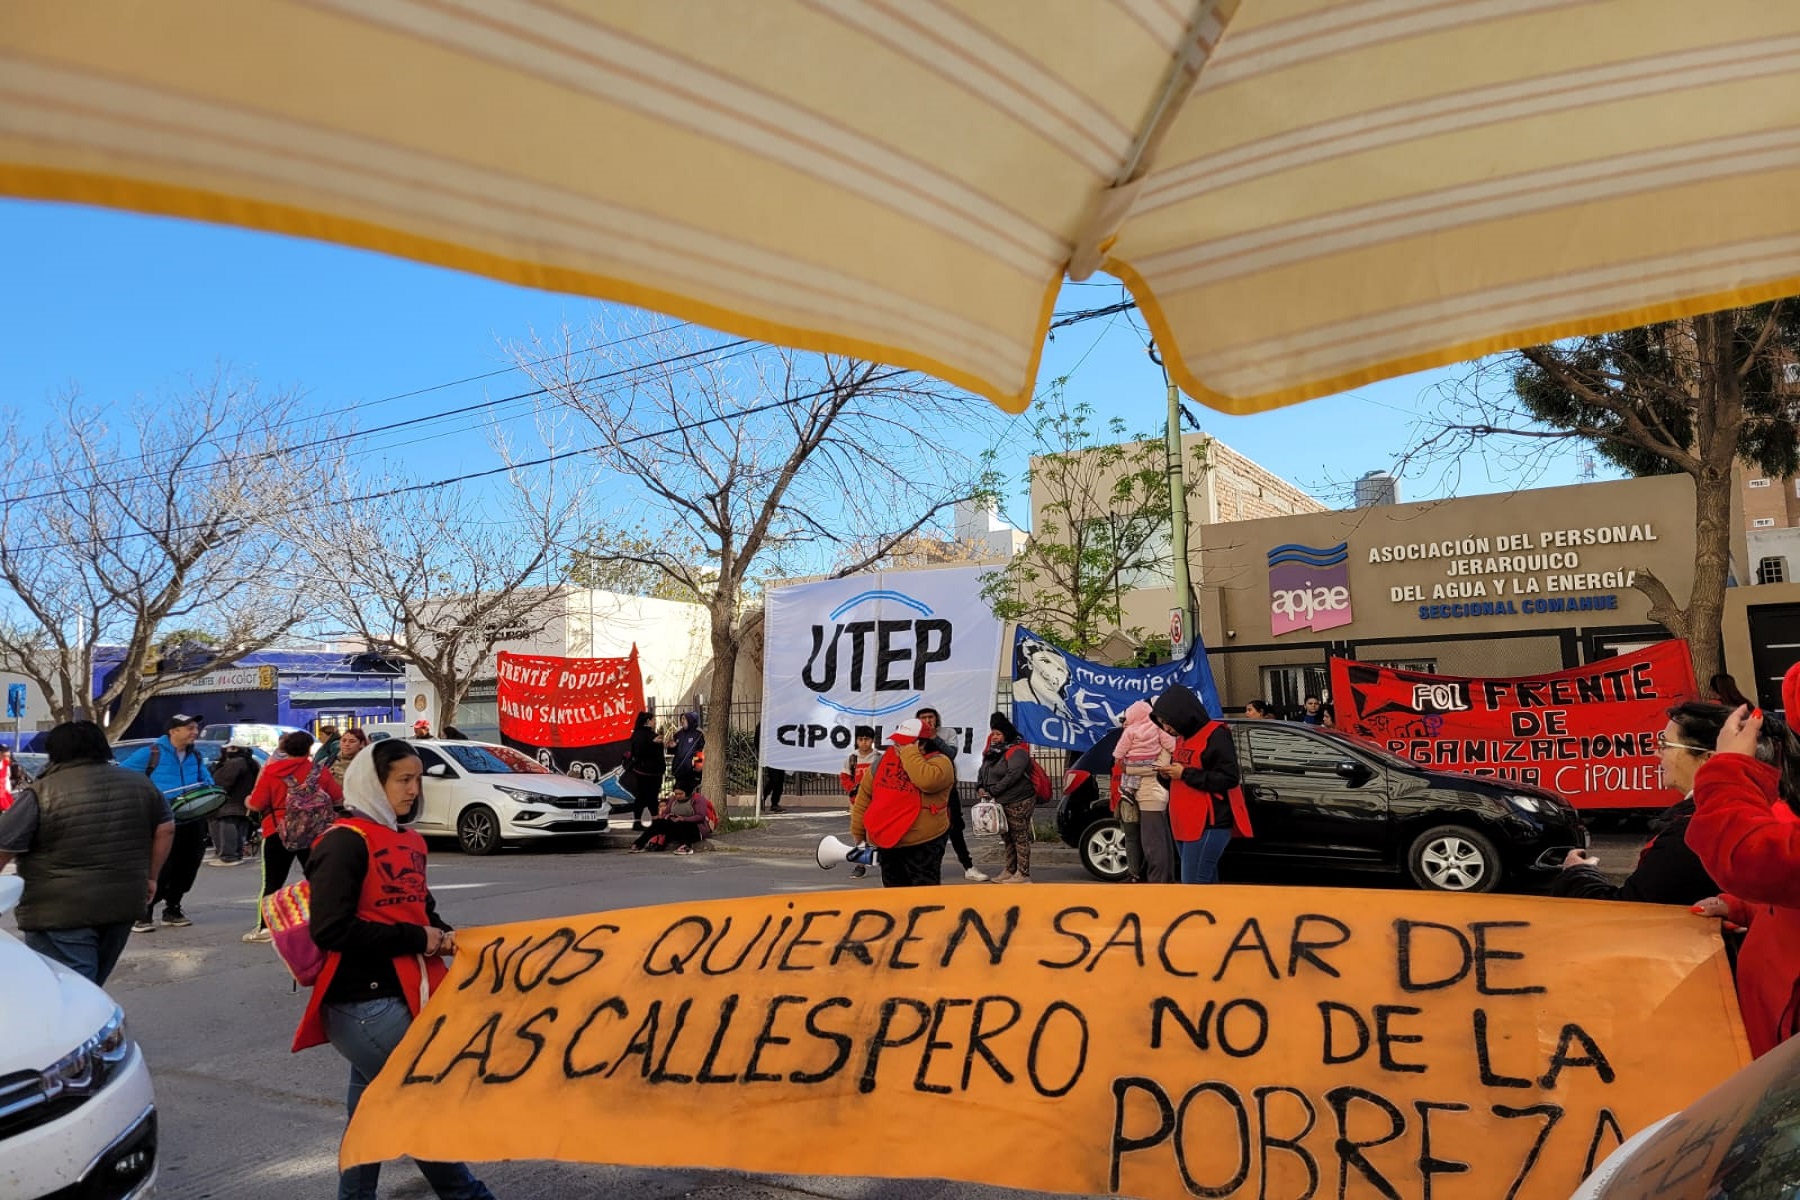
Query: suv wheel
<point x="1102" y="849"/>
<point x="478" y="830"/>
<point x="1453" y="859"/>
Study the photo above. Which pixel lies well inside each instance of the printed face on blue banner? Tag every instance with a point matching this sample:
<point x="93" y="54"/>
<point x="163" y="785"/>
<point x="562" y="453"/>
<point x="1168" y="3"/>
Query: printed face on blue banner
<point x="1061" y="700"/>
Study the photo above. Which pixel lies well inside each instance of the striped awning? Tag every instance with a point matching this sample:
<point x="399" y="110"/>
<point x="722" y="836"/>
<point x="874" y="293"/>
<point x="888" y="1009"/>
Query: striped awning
<point x="1303" y="195"/>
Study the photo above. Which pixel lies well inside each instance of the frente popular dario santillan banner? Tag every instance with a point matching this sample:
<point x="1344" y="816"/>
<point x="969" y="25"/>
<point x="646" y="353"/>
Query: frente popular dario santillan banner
<point x="1587" y="733"/>
<point x="873" y="650"/>
<point x="575" y="714"/>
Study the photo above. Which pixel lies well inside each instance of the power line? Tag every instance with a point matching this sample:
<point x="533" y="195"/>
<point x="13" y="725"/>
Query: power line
<point x="547" y="459"/>
<point x="738" y="347"/>
<point x="364" y="404"/>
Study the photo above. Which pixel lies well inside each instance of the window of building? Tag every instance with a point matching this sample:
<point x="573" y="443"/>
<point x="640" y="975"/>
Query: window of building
<point x="1286" y="688"/>
<point x="1759" y="483"/>
<point x="1763" y="523"/>
<point x="1771" y="570"/>
<point x="1425" y="666"/>
<point x="1797" y="487"/>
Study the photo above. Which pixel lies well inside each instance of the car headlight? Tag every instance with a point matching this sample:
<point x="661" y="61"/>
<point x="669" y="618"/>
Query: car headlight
<point x="1536" y="805"/>
<point x="85" y="1069"/>
<point x="521" y="796"/>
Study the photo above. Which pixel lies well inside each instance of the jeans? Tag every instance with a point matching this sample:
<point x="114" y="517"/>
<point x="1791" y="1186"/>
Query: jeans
<point x="91" y="953"/>
<point x="228" y="834"/>
<point x="1200" y="860"/>
<point x="365" y="1033"/>
<point x="913" y="866"/>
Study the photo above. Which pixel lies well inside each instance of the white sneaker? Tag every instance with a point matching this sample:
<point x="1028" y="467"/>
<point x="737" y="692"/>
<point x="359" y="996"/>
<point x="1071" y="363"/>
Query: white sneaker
<point x="975" y="875"/>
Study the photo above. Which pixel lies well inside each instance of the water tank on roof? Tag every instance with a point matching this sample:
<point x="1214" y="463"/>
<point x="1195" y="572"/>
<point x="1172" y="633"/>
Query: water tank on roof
<point x="1377" y="488"/>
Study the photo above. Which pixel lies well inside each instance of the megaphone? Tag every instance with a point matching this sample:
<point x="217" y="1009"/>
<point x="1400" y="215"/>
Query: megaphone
<point x="834" y="850"/>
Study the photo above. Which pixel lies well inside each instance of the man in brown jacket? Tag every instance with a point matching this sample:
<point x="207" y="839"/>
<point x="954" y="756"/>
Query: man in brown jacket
<point x="915" y="768"/>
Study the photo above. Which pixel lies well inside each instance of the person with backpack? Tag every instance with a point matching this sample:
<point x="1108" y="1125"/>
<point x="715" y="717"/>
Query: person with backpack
<point x="1006" y="778"/>
<point x="1206" y="801"/>
<point x="902" y="808"/>
<point x="174" y="766"/>
<point x="375" y="919"/>
<point x="297" y="800"/>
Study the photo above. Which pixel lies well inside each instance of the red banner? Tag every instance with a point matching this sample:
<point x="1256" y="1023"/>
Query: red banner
<point x="568" y="702"/>
<point x="1588" y="733"/>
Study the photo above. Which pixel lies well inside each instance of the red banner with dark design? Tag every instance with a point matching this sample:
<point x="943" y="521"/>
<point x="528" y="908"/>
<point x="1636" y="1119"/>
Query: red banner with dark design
<point x="557" y="702"/>
<point x="1587" y="733"/>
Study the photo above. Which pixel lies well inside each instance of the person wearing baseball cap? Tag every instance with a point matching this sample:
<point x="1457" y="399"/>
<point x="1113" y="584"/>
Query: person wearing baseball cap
<point x="902" y="808"/>
<point x="174" y="766"/>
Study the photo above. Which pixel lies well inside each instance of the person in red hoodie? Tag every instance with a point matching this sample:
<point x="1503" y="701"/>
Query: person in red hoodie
<point x="1748" y="841"/>
<point x="268" y="800"/>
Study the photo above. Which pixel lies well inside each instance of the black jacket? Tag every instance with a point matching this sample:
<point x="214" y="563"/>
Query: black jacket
<point x="645" y="757"/>
<point x="1667" y="871"/>
<point x="1183" y="712"/>
<point x="236" y="774"/>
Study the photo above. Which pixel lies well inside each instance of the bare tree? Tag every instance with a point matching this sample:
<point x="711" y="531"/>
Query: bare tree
<point x="438" y="576"/>
<point x="744" y="466"/>
<point x="1101" y="528"/>
<point x="1690" y="397"/>
<point x="133" y="534"/>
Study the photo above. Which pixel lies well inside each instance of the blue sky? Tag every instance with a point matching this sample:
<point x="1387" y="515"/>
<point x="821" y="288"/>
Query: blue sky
<point x="124" y="306"/>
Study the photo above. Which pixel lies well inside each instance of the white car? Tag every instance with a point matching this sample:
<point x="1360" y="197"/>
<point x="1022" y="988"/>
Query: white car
<point x="77" y="1114"/>
<point x="487" y="795"/>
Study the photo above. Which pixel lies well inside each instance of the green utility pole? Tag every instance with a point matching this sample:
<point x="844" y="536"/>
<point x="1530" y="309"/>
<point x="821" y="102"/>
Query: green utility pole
<point x="1181" y="613"/>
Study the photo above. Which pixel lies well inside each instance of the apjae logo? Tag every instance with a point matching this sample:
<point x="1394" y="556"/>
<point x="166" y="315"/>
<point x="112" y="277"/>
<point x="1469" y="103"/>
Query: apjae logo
<point x="1309" y="588"/>
<point x="866" y="663"/>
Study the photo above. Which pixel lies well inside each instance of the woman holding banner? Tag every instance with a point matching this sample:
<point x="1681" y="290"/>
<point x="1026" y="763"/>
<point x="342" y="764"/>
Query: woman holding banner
<point x="382" y="938"/>
<point x="1668" y="872"/>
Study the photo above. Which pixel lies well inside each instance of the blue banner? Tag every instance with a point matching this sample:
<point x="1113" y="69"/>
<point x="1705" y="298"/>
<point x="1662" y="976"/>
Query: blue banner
<point x="1068" y="702"/>
<point x="15" y="701"/>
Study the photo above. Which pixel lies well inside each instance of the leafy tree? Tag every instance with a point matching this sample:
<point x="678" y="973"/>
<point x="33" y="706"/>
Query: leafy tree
<point x="1100" y="527"/>
<point x="1693" y="397"/>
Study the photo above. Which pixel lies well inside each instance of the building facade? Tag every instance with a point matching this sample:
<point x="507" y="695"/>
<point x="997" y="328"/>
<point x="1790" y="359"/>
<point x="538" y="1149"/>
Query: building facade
<point x="1512" y="584"/>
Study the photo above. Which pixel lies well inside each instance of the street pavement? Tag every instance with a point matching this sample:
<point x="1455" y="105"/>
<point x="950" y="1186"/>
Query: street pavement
<point x="242" y="1117"/>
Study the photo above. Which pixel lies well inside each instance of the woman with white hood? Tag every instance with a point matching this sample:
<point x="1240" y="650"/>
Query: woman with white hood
<point x="384" y="942"/>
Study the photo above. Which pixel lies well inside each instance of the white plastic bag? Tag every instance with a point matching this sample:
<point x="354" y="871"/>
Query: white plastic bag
<point x="987" y="817"/>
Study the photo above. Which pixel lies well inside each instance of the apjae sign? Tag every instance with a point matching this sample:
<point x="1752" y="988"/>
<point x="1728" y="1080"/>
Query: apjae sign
<point x="873" y="650"/>
<point x="1309" y="588"/>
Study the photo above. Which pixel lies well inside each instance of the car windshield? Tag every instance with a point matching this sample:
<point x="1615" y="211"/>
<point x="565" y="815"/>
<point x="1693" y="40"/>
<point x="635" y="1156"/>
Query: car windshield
<point x="479" y="760"/>
<point x="518" y="760"/>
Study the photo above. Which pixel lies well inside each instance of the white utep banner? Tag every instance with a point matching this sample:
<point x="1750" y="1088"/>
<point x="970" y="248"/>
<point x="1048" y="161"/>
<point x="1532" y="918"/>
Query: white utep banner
<point x="873" y="650"/>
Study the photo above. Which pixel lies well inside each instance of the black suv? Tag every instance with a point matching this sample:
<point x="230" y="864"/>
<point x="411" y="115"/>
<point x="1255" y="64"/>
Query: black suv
<point x="1318" y="797"/>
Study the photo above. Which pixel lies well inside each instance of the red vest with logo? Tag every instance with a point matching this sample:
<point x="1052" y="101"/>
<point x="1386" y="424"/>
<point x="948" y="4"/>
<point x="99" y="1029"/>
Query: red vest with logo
<point x="1191" y="811"/>
<point x="393" y="893"/>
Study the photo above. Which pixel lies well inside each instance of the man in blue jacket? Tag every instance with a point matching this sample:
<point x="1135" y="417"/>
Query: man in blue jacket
<point x="173" y="765"/>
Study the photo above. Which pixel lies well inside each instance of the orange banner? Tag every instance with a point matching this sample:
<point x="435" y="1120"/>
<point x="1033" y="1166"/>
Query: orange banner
<point x="1240" y="1042"/>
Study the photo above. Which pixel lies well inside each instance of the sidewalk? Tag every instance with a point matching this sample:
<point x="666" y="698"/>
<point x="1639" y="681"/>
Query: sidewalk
<point x="796" y="834"/>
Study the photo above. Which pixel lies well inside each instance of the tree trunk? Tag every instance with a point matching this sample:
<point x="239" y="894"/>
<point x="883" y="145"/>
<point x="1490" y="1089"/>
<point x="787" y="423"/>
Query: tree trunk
<point x="1712" y="568"/>
<point x="714" y="777"/>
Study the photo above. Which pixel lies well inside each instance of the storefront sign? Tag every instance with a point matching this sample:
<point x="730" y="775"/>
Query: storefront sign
<point x="1247" y="1043"/>
<point x="1588" y="733"/>
<point x="1060" y="700"/>
<point x="873" y="650"/>
<point x="233" y="679"/>
<point x="552" y="702"/>
<point x="1309" y="588"/>
<point x="1515" y="573"/>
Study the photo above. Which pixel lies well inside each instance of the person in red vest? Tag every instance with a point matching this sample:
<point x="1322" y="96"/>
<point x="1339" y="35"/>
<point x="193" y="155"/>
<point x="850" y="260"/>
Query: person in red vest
<point x="1206" y="805"/>
<point x="378" y="924"/>
<point x="901" y="808"/>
